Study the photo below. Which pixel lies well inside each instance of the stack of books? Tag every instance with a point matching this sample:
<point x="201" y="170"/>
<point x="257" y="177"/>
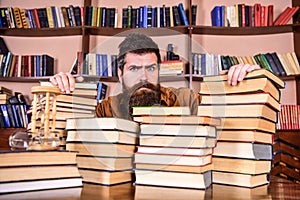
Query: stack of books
<point x="38" y="170"/>
<point x="175" y="149"/>
<point x="243" y="154"/>
<point x="5" y="94"/>
<point x="286" y="155"/>
<point x="105" y="148"/>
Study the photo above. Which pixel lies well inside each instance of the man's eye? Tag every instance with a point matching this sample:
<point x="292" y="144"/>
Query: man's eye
<point x="151" y="68"/>
<point x="134" y="68"/>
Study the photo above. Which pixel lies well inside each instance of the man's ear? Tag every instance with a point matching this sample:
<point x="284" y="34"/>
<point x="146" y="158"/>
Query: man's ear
<point x="120" y="74"/>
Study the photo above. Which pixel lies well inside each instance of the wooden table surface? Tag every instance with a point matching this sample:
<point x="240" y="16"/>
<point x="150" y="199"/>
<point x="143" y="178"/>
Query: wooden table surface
<point x="278" y="188"/>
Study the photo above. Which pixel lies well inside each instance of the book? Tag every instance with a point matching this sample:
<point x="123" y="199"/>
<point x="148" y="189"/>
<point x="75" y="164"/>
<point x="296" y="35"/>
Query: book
<point x="177" y="130"/>
<point x="168" y="193"/>
<point x="108" y="178"/>
<point x="260" y="73"/>
<point x="282" y="158"/>
<point x="234" y="110"/>
<point x="287" y="17"/>
<point x="172" y="159"/>
<point x="244" y="150"/>
<point x="173" y="179"/>
<point x="243" y="180"/>
<point x="239" y="165"/>
<point x="101" y="149"/>
<point x="245" y="86"/>
<point x="36" y="158"/>
<point x="175" y="168"/>
<point x="37" y="185"/>
<point x="102" y="123"/>
<point x="172" y="119"/>
<point x="281" y="147"/>
<point x="174" y="151"/>
<point x="104" y="162"/>
<point x="178" y="141"/>
<point x="246" y="136"/>
<point x="102" y="136"/>
<point x="38" y="170"/>
<point x="241" y="99"/>
<point x="287" y="172"/>
<point x="281" y="16"/>
<point x="160" y="110"/>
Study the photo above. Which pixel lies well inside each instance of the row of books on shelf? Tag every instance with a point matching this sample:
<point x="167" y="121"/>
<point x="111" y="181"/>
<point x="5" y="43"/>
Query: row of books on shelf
<point x="12" y="65"/>
<point x="45" y="17"/>
<point x="243" y="15"/>
<point x="285" y="163"/>
<point x="70" y="16"/>
<point x="283" y="64"/>
<point x="95" y="64"/>
<point x="158" y="16"/>
<point x="13" y="109"/>
<point x="289" y="117"/>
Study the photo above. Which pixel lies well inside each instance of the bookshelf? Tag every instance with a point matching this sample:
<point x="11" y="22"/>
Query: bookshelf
<point x="63" y="43"/>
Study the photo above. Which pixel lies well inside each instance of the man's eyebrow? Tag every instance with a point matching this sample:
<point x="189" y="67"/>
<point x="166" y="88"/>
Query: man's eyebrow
<point x="150" y="65"/>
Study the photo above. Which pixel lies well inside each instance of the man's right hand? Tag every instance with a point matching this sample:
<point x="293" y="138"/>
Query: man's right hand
<point x="64" y="81"/>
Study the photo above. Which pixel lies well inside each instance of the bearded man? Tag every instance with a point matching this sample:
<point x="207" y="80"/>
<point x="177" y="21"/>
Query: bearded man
<point x="138" y="71"/>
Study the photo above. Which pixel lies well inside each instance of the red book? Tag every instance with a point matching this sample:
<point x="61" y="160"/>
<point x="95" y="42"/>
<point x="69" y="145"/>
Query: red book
<point x="263" y="15"/>
<point x="257" y="14"/>
<point x="289" y="15"/>
<point x="270" y="15"/>
<point x="243" y="15"/>
<point x="281" y="16"/>
<point x="36" y="17"/>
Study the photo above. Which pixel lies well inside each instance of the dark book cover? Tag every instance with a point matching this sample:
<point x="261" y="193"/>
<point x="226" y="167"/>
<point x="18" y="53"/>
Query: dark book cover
<point x="55" y="20"/>
<point x="194" y="14"/>
<point x="11" y="115"/>
<point x="124" y="17"/>
<point x="216" y="16"/>
<point x="69" y="14"/>
<point x="88" y="15"/>
<point x="278" y="64"/>
<point x="176" y="16"/>
<point x="47" y="65"/>
<point x="112" y="15"/>
<point x="42" y="16"/>
<point x="154" y="17"/>
<point x="5" y="116"/>
<point x="114" y="65"/>
<point x="149" y="16"/>
<point x="3" y="46"/>
<point x="182" y="14"/>
<point x="103" y="16"/>
<point x="162" y="16"/>
<point x="134" y="18"/>
<point x="3" y="17"/>
<point x="272" y="64"/>
<point x="77" y="15"/>
<point x="168" y="16"/>
<point x="102" y="89"/>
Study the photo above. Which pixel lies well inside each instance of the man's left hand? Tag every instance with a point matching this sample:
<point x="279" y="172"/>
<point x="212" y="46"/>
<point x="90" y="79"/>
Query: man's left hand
<point x="237" y="73"/>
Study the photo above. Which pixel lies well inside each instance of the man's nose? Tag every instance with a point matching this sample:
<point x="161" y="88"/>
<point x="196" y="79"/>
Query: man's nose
<point x="143" y="75"/>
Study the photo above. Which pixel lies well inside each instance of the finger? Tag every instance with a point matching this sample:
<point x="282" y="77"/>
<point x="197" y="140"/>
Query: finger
<point x="243" y="71"/>
<point x="65" y="83"/>
<point x="253" y="67"/>
<point x="224" y="72"/>
<point x="232" y="74"/>
<point x="58" y="78"/>
<point x="53" y="80"/>
<point x="71" y="81"/>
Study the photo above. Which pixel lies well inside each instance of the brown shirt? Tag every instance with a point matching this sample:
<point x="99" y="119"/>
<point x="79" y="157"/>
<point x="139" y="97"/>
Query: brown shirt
<point x="116" y="106"/>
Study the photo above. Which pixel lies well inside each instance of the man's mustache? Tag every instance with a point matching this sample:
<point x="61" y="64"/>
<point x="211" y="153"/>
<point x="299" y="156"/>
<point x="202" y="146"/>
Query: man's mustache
<point x="144" y="84"/>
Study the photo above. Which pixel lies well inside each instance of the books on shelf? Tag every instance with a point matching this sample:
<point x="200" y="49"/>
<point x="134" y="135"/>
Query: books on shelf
<point x="242" y="15"/>
<point x="38" y="170"/>
<point x="286" y="15"/>
<point x="289" y="117"/>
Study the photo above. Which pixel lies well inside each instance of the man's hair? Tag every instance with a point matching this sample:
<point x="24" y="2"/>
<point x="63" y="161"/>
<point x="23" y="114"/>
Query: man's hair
<point x="138" y="44"/>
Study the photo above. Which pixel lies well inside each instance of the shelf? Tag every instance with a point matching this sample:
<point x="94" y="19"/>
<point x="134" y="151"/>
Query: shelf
<point x="41" y="32"/>
<point x="106" y="31"/>
<point x="24" y="79"/>
<point x="215" y="30"/>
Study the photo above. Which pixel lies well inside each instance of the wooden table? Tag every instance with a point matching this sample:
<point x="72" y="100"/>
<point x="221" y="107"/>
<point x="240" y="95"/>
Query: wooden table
<point x="278" y="188"/>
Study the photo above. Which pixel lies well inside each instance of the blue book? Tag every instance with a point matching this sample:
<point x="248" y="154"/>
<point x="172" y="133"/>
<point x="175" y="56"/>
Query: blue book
<point x="144" y="17"/>
<point x="5" y="115"/>
<point x="37" y="65"/>
<point x="101" y="90"/>
<point x="182" y="14"/>
<point x="54" y="16"/>
<point x="216" y="16"/>
<point x="104" y="65"/>
<point x="98" y="64"/>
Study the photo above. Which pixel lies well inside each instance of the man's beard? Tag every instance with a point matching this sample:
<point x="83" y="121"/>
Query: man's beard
<point x="148" y="96"/>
